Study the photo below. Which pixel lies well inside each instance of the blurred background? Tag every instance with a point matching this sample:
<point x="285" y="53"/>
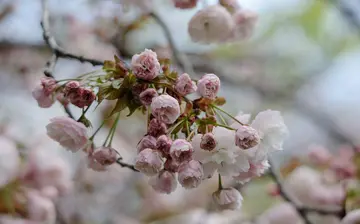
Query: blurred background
<point x="303" y="60"/>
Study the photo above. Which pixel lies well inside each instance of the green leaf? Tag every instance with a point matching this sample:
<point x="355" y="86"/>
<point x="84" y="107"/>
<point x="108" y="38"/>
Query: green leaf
<point x="108" y="65"/>
<point x="116" y="84"/>
<point x="85" y="121"/>
<point x="121" y="104"/>
<point x="133" y="105"/>
<point x="173" y="75"/>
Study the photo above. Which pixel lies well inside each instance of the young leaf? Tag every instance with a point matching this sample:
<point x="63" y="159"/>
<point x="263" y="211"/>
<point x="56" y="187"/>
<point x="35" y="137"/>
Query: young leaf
<point x="121" y="104"/>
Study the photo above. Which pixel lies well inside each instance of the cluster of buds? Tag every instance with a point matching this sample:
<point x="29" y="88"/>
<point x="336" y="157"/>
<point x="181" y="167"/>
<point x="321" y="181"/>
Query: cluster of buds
<point x="30" y="185"/>
<point x="186" y="141"/>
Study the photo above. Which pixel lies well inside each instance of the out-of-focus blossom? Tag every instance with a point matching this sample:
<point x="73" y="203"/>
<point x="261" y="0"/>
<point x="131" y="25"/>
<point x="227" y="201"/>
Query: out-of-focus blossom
<point x="343" y="165"/>
<point x="212" y="24"/>
<point x="69" y="133"/>
<point x="283" y="213"/>
<point x="149" y="162"/>
<point x="143" y="5"/>
<point x="164" y="182"/>
<point x="190" y="174"/>
<point x="147" y="95"/>
<point x="40" y="209"/>
<point x="145" y="65"/>
<point x="181" y="150"/>
<point x="146" y="142"/>
<point x="185" y="4"/>
<point x="184" y="85"/>
<point x="165" y="108"/>
<point x="256" y="169"/>
<point x="352" y="217"/>
<point x="227" y="199"/>
<point x="9" y="161"/>
<point x="319" y="155"/>
<point x="208" y="86"/>
<point x="245" y="21"/>
<point x="7" y="219"/>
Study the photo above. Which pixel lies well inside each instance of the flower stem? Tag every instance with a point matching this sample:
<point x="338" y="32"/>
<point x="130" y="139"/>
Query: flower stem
<point x="114" y="129"/>
<point x="97" y="130"/>
<point x="187" y="127"/>
<point x="218" y="108"/>
<point x="175" y="126"/>
<point x="111" y="130"/>
<point x="220" y="183"/>
<point x="190" y="135"/>
<point x="224" y="126"/>
<point x="220" y="116"/>
<point x="63" y="80"/>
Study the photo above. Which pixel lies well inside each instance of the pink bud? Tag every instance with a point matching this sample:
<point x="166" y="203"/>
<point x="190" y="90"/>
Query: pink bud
<point x="105" y="156"/>
<point x="71" y="87"/>
<point x="208" y="142"/>
<point x="208" y="86"/>
<point x="149" y="162"/>
<point x="145" y="65"/>
<point x="185" y="4"/>
<point x="171" y="165"/>
<point x="69" y="133"/>
<point x="212" y="24"/>
<point x="163" y="144"/>
<point x="87" y="96"/>
<point x="190" y="174"/>
<point x="146" y="142"/>
<point x="156" y="128"/>
<point x="147" y="96"/>
<point x="49" y="85"/>
<point x="246" y="137"/>
<point x="184" y="85"/>
<point x="164" y="182"/>
<point x="181" y="150"/>
<point x="165" y="109"/>
<point x="227" y="198"/>
<point x="44" y="100"/>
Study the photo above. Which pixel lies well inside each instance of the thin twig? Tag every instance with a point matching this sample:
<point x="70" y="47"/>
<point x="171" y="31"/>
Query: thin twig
<point x="179" y="57"/>
<point x="302" y="210"/>
<point x="122" y="164"/>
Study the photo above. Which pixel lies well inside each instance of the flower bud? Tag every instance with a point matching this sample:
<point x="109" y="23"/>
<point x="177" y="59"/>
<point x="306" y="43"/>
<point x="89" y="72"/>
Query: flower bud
<point x="190" y="174"/>
<point x="212" y="24"/>
<point x="48" y="84"/>
<point x="146" y="142"/>
<point x="147" y="96"/>
<point x="208" y="142"/>
<point x="145" y="65"/>
<point x="149" y="162"/>
<point x="171" y="165"/>
<point x="185" y="4"/>
<point x="208" y="86"/>
<point x="164" y="182"/>
<point x="163" y="145"/>
<point x="156" y="128"/>
<point x="165" y="109"/>
<point x="227" y="198"/>
<point x="43" y="100"/>
<point x="105" y="156"/>
<point x="181" y="150"/>
<point x="184" y="85"/>
<point x="71" y="87"/>
<point x="246" y="137"/>
<point x="87" y="96"/>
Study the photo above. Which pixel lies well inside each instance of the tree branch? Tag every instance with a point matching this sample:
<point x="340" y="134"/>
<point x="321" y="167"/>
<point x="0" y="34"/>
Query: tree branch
<point x="302" y="210"/>
<point x="122" y="164"/>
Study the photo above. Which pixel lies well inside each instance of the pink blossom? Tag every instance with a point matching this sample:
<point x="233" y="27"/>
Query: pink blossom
<point x="149" y="162"/>
<point x="208" y="86"/>
<point x="227" y="198"/>
<point x="40" y="209"/>
<point x="69" y="133"/>
<point x="208" y="142"/>
<point x="190" y="174"/>
<point x="146" y="142"/>
<point x="165" y="109"/>
<point x="211" y="25"/>
<point x="171" y="165"/>
<point x="184" y="85"/>
<point x="9" y="161"/>
<point x="164" y="182"/>
<point x="44" y="100"/>
<point x="256" y="169"/>
<point x="319" y="155"/>
<point x="71" y="88"/>
<point x="163" y="144"/>
<point x="246" y="137"/>
<point x="147" y="96"/>
<point x="245" y="21"/>
<point x="105" y="156"/>
<point x="45" y="169"/>
<point x="145" y="65"/>
<point x="181" y="150"/>
<point x="48" y="84"/>
<point x="185" y="4"/>
<point x="156" y="128"/>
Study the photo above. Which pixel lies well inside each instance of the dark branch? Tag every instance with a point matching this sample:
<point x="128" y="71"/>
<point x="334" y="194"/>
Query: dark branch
<point x="302" y="210"/>
<point x="122" y="164"/>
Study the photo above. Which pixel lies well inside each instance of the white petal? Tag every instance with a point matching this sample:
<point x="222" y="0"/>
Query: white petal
<point x="209" y="169"/>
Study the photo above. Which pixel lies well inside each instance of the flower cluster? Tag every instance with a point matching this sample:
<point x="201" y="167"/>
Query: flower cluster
<point x="186" y="142"/>
<point x="225" y="22"/>
<point x="30" y="185"/>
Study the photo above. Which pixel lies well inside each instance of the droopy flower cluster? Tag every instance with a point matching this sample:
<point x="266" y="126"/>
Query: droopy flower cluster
<point x="186" y="141"/>
<point x="31" y="184"/>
